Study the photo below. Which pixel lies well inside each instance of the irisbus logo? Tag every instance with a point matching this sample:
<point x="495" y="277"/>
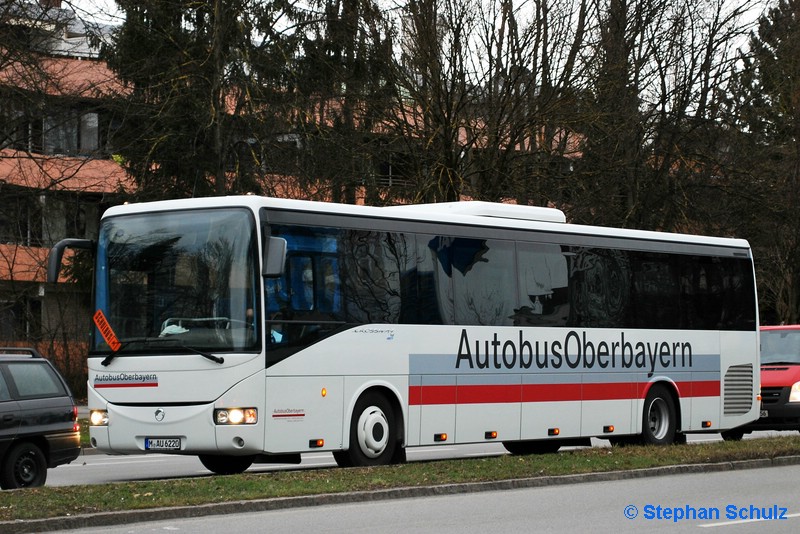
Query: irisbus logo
<point x="126" y="380"/>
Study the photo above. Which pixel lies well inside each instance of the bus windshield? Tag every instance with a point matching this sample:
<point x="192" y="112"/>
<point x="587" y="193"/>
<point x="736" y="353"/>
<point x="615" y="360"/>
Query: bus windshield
<point x="175" y="280"/>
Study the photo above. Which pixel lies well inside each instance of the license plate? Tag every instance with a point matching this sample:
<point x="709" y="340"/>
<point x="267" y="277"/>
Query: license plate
<point x="162" y="444"/>
<point x="764" y="413"/>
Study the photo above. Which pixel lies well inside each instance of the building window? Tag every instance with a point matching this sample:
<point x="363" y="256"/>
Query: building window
<point x="21" y="320"/>
<point x="65" y="131"/>
<point x="61" y="133"/>
<point x="21" y="220"/>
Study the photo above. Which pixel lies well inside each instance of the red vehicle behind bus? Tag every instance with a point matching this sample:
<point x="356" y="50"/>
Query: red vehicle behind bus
<point x="780" y="382"/>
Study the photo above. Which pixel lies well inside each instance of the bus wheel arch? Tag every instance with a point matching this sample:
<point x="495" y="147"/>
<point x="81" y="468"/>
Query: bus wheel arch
<point x="660" y="415"/>
<point x="375" y="432"/>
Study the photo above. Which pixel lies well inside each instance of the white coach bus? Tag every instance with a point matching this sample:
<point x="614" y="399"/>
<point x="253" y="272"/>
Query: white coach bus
<point x="251" y="329"/>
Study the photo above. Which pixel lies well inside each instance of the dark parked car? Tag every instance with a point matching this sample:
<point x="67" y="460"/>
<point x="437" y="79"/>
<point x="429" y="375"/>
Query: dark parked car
<point x="38" y="419"/>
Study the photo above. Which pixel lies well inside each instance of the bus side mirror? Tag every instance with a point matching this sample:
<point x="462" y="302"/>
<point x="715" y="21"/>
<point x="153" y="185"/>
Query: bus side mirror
<point x="57" y="254"/>
<point x="274" y="257"/>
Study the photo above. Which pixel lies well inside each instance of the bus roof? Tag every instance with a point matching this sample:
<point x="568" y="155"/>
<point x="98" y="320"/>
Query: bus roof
<point x="474" y="213"/>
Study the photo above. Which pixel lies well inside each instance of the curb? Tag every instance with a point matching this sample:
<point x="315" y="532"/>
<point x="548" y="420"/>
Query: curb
<point x="282" y="503"/>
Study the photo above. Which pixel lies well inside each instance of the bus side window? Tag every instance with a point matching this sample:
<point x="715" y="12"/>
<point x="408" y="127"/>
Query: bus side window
<point x="277" y="297"/>
<point x="301" y="270"/>
<point x="330" y="294"/>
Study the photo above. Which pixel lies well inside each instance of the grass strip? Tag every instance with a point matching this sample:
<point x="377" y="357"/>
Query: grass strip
<point x="38" y="503"/>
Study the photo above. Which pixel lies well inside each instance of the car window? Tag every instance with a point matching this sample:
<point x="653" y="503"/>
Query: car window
<point x="33" y="380"/>
<point x="4" y="393"/>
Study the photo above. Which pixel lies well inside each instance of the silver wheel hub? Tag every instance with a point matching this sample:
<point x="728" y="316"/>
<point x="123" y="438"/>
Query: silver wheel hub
<point x="373" y="432"/>
<point x="658" y="418"/>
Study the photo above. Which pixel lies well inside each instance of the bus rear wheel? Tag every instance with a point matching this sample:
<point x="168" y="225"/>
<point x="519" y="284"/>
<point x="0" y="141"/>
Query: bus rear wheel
<point x="521" y="448"/>
<point x="373" y="433"/>
<point x="659" y="420"/>
<point x="226" y="465"/>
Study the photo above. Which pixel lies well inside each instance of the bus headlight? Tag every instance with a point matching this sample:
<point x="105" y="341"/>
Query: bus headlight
<point x="794" y="393"/>
<point x="236" y="416"/>
<point x="98" y="418"/>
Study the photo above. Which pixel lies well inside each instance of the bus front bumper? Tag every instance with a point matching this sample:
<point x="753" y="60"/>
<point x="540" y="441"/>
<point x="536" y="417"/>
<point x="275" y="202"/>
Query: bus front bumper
<point x="173" y="429"/>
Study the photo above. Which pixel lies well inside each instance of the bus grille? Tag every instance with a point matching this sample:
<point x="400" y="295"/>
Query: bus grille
<point x="738" y="390"/>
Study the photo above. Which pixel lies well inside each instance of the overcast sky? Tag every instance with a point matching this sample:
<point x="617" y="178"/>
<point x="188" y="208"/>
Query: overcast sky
<point x="98" y="10"/>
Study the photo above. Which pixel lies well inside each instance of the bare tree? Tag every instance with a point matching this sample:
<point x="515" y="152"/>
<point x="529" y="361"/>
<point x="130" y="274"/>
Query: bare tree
<point x="654" y="107"/>
<point x="340" y="93"/>
<point x="434" y="93"/>
<point x="527" y="64"/>
<point x="54" y="175"/>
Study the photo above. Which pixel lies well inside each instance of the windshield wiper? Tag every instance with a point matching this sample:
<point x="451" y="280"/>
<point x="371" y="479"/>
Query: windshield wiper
<point x="146" y="340"/>
<point x="122" y="345"/>
<point x="207" y="355"/>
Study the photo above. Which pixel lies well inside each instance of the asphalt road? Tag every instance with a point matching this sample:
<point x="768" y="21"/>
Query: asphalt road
<point x="726" y="502"/>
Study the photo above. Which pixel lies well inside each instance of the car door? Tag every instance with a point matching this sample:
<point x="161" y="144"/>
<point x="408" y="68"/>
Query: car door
<point x="44" y="406"/>
<point x="9" y="415"/>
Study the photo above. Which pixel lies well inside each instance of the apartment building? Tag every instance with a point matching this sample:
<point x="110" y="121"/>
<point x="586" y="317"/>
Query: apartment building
<point x="57" y="173"/>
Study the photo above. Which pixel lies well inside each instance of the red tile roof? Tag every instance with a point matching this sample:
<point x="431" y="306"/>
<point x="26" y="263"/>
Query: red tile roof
<point x="62" y="173"/>
<point x="63" y="77"/>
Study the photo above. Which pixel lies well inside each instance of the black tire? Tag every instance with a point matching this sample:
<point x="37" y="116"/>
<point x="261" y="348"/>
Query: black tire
<point x="23" y="467"/>
<point x="733" y="435"/>
<point x="659" y="419"/>
<point x="522" y="448"/>
<point x="226" y="465"/>
<point x="373" y="434"/>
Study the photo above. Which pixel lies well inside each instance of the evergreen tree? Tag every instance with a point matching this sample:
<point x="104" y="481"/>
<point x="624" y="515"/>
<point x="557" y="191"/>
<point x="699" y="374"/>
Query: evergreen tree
<point x="765" y="106"/>
<point x="200" y="74"/>
<point x="342" y="92"/>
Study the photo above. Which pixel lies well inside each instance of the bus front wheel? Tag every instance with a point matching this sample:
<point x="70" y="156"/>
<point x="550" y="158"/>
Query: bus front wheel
<point x="733" y="435"/>
<point x="226" y="465"/>
<point x="373" y="434"/>
<point x="659" y="420"/>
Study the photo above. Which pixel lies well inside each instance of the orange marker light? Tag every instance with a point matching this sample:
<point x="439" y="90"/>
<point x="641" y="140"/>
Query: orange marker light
<point x="492" y="434"/>
<point x="316" y="443"/>
<point x="553" y="431"/>
<point x="324" y="392"/>
<point x="608" y="429"/>
<point x="440" y="437"/>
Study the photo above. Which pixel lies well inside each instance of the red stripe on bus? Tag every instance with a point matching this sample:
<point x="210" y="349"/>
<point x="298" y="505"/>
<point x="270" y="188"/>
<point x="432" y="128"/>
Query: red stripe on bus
<point x="502" y="394"/>
<point x="699" y="388"/>
<point x="550" y="392"/>
<point x="434" y="394"/>
<point x="131" y="385"/>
